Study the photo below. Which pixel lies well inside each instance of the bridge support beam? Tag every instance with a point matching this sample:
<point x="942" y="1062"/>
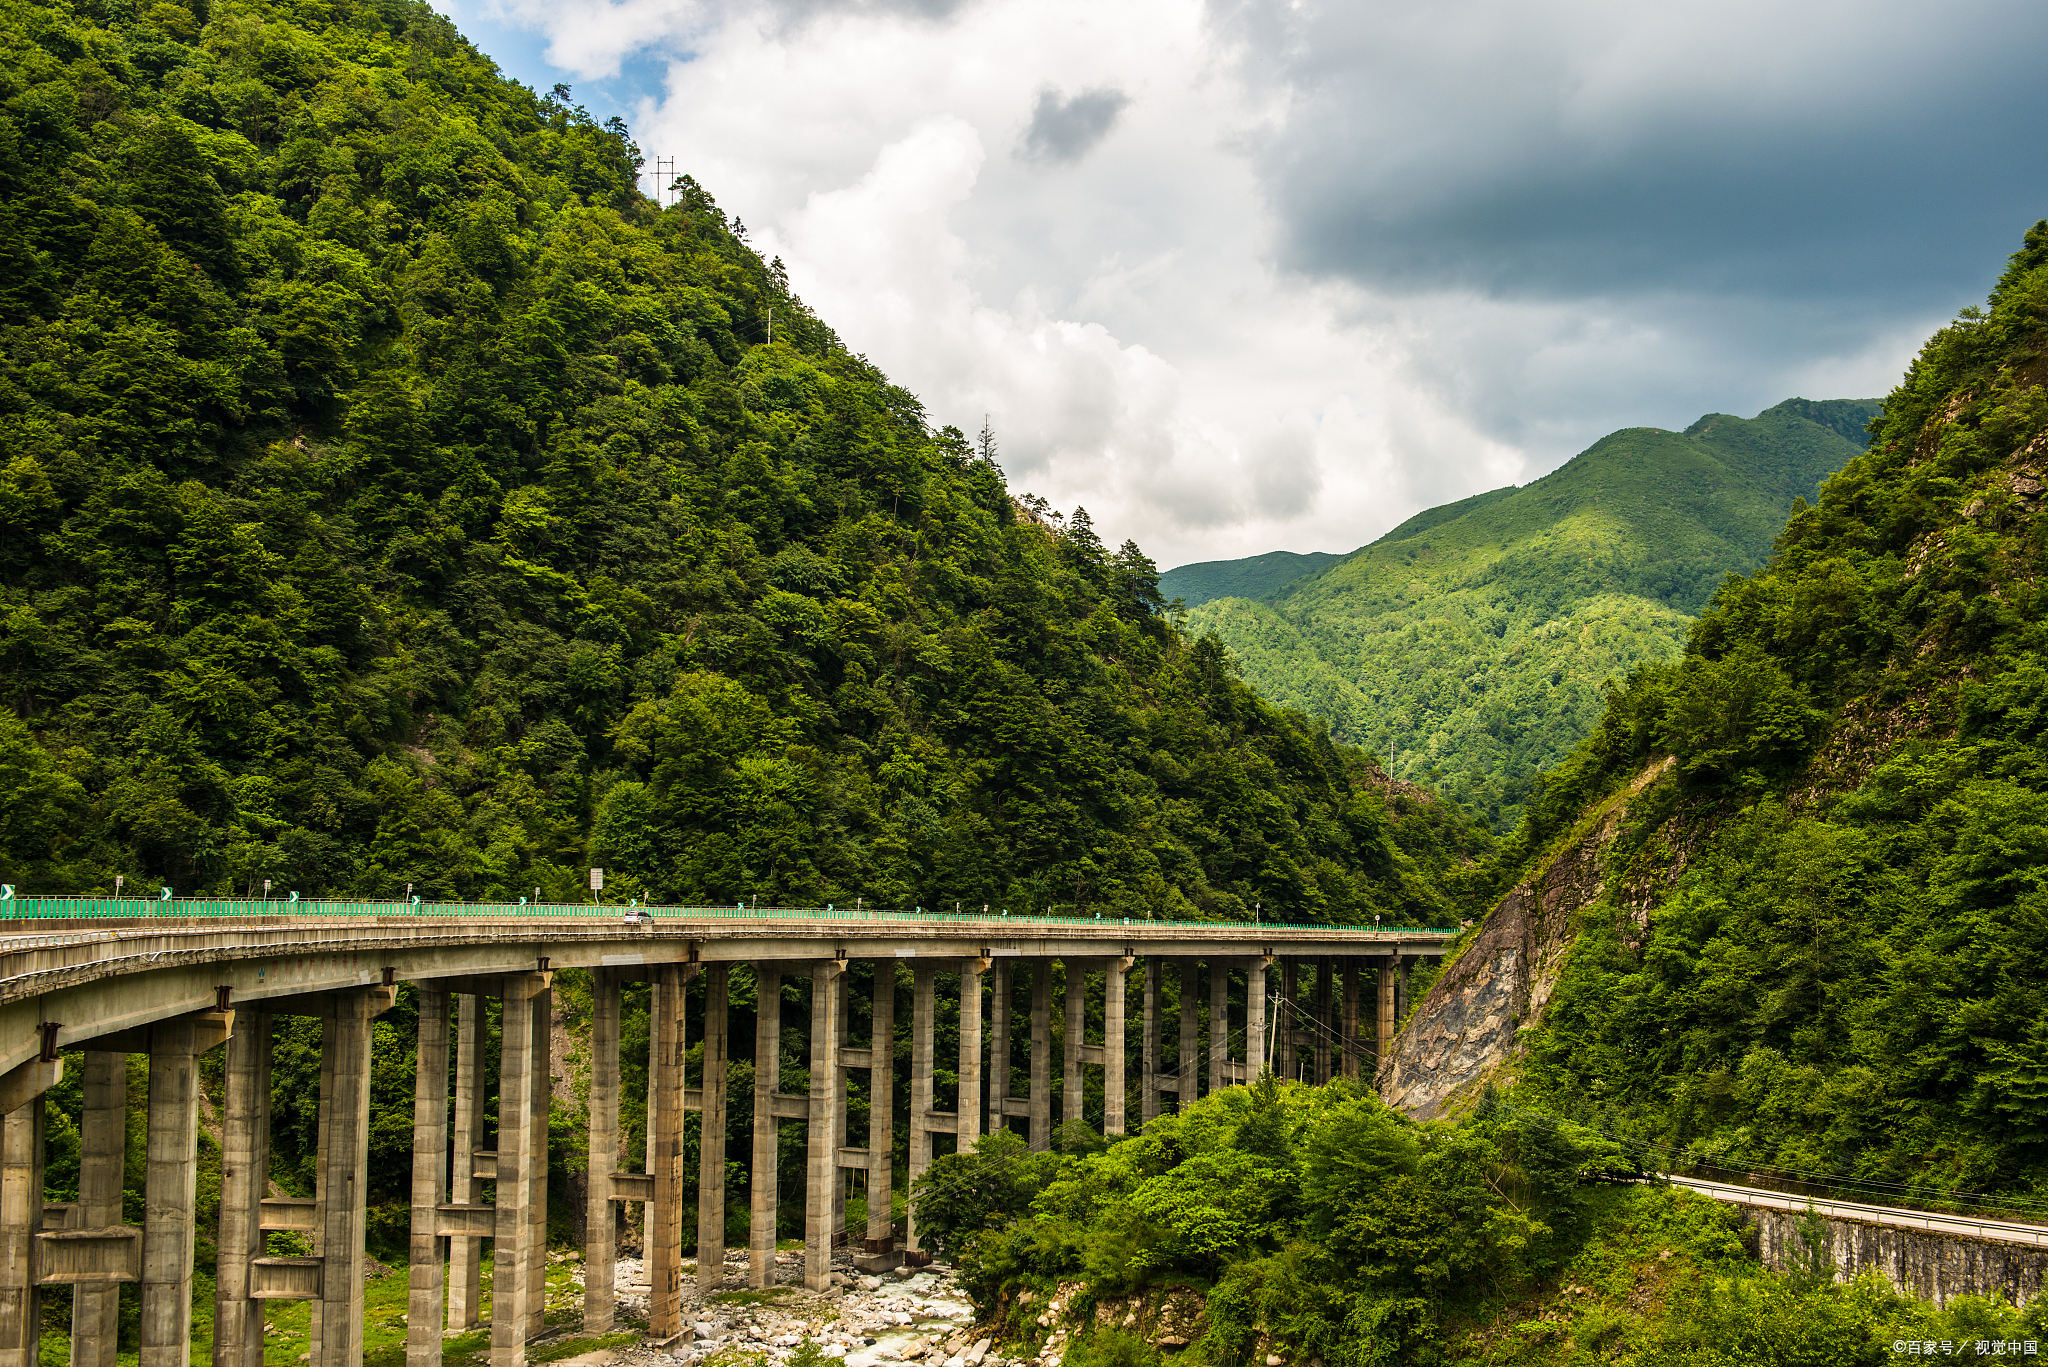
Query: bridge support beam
<point x="342" y="1178"/>
<point x="1383" y="998"/>
<point x="102" y="1159"/>
<point x="1113" y="1045"/>
<point x="969" y="1104"/>
<point x="1322" y="1021"/>
<point x="923" y="1006"/>
<point x="997" y="1083"/>
<point x="663" y="1250"/>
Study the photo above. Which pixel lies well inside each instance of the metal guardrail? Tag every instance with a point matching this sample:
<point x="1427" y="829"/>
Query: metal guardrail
<point x="19" y="909"/>
<point x="1899" y="1217"/>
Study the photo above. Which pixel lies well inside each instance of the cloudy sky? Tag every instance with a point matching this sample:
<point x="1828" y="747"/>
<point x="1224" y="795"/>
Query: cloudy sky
<point x="1277" y="274"/>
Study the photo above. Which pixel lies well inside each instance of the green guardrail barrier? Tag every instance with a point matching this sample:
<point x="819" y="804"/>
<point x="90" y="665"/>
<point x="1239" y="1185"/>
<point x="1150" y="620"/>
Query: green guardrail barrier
<point x="30" y="909"/>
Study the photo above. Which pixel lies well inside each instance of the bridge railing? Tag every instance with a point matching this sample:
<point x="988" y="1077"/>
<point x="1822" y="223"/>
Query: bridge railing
<point x="18" y="909"/>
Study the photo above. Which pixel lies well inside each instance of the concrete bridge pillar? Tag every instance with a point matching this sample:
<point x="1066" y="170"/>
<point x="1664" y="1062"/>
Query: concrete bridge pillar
<point x="1041" y="1055"/>
<point x="21" y="1220"/>
<point x="1114" y="1045"/>
<point x="997" y="1083"/>
<point x="881" y="1241"/>
<point x="1074" y="998"/>
<point x="711" y="1134"/>
<point x="244" y="1181"/>
<point x="968" y="1105"/>
<point x="465" y="1186"/>
<point x="1150" y="1064"/>
<point x="102" y="1160"/>
<point x="767" y="1082"/>
<point x="1187" y="1076"/>
<point x="342" y="1171"/>
<point x="600" y="1219"/>
<point x="1323" y="1022"/>
<point x="1347" y="1032"/>
<point x="1383" y="999"/>
<point x="426" y="1272"/>
<point x="1219" y="1025"/>
<point x="1290" y="1022"/>
<point x="662" y="1248"/>
<point x="1254" y="1017"/>
<point x="922" y="1011"/>
<point x="827" y="1127"/>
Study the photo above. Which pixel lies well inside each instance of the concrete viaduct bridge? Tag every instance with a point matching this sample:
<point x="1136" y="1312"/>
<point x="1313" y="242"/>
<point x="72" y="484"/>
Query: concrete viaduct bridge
<point x="97" y="977"/>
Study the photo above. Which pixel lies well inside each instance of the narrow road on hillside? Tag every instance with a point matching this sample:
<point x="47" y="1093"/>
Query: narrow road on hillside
<point x="1966" y="1226"/>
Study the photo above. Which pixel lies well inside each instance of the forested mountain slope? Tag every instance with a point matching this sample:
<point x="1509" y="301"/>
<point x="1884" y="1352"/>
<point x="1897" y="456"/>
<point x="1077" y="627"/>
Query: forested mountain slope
<point x="390" y="493"/>
<point x="1469" y="645"/>
<point x="1820" y="940"/>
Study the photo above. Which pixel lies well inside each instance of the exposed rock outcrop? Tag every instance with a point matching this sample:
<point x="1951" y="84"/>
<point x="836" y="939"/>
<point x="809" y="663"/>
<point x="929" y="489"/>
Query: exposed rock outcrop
<point x="1467" y="1025"/>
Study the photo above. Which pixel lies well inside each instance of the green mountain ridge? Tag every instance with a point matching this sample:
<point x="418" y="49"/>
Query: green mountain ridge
<point x="1252" y="577"/>
<point x="1469" y="646"/>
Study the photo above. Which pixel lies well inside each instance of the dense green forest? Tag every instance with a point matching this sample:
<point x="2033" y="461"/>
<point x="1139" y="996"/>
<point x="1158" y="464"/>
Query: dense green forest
<point x="1468" y="647"/>
<point x="1840" y="964"/>
<point x="391" y="494"/>
<point x="1316" y="1225"/>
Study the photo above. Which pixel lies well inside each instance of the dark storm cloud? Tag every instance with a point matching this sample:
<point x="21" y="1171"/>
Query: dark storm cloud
<point x="1064" y="129"/>
<point x="1887" y="154"/>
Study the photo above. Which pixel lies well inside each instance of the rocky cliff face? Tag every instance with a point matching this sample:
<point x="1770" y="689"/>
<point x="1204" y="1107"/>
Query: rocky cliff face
<point x="1465" y="1029"/>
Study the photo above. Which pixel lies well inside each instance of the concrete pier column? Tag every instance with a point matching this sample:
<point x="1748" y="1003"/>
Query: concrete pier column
<point x="1074" y="997"/>
<point x="540" y="1099"/>
<point x="1219" y="1023"/>
<point x="103" y="1146"/>
<point x="512" y="1224"/>
<point x="842" y="1177"/>
<point x="767" y="1081"/>
<point x="1254" y="1017"/>
<point x="429" y="1179"/>
<point x="968" y="1108"/>
<point x="465" y="1254"/>
<point x="881" y="1109"/>
<point x="244" y="1179"/>
<point x="1150" y="1064"/>
<point x="923" y="1009"/>
<point x="600" y="1216"/>
<point x="664" y="1249"/>
<point x="1347" y="1030"/>
<point x="171" y="1187"/>
<point x="1322" y="1025"/>
<point x="21" y="1219"/>
<point x="999" y="1012"/>
<point x="821" y="1178"/>
<point x="1041" y="1055"/>
<point x="1187" y="1064"/>
<point x="1406" y="961"/>
<point x="711" y="1138"/>
<point x="344" y="1176"/>
<point x="1385" y="1002"/>
<point x="1289" y="1060"/>
<point x="1114" y="1045"/>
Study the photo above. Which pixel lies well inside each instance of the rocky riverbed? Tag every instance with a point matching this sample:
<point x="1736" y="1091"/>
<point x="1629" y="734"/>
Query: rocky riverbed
<point x="918" y="1317"/>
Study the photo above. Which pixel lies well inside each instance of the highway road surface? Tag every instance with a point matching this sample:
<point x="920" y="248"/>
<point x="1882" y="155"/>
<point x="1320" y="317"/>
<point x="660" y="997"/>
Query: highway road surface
<point x="1965" y="1226"/>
